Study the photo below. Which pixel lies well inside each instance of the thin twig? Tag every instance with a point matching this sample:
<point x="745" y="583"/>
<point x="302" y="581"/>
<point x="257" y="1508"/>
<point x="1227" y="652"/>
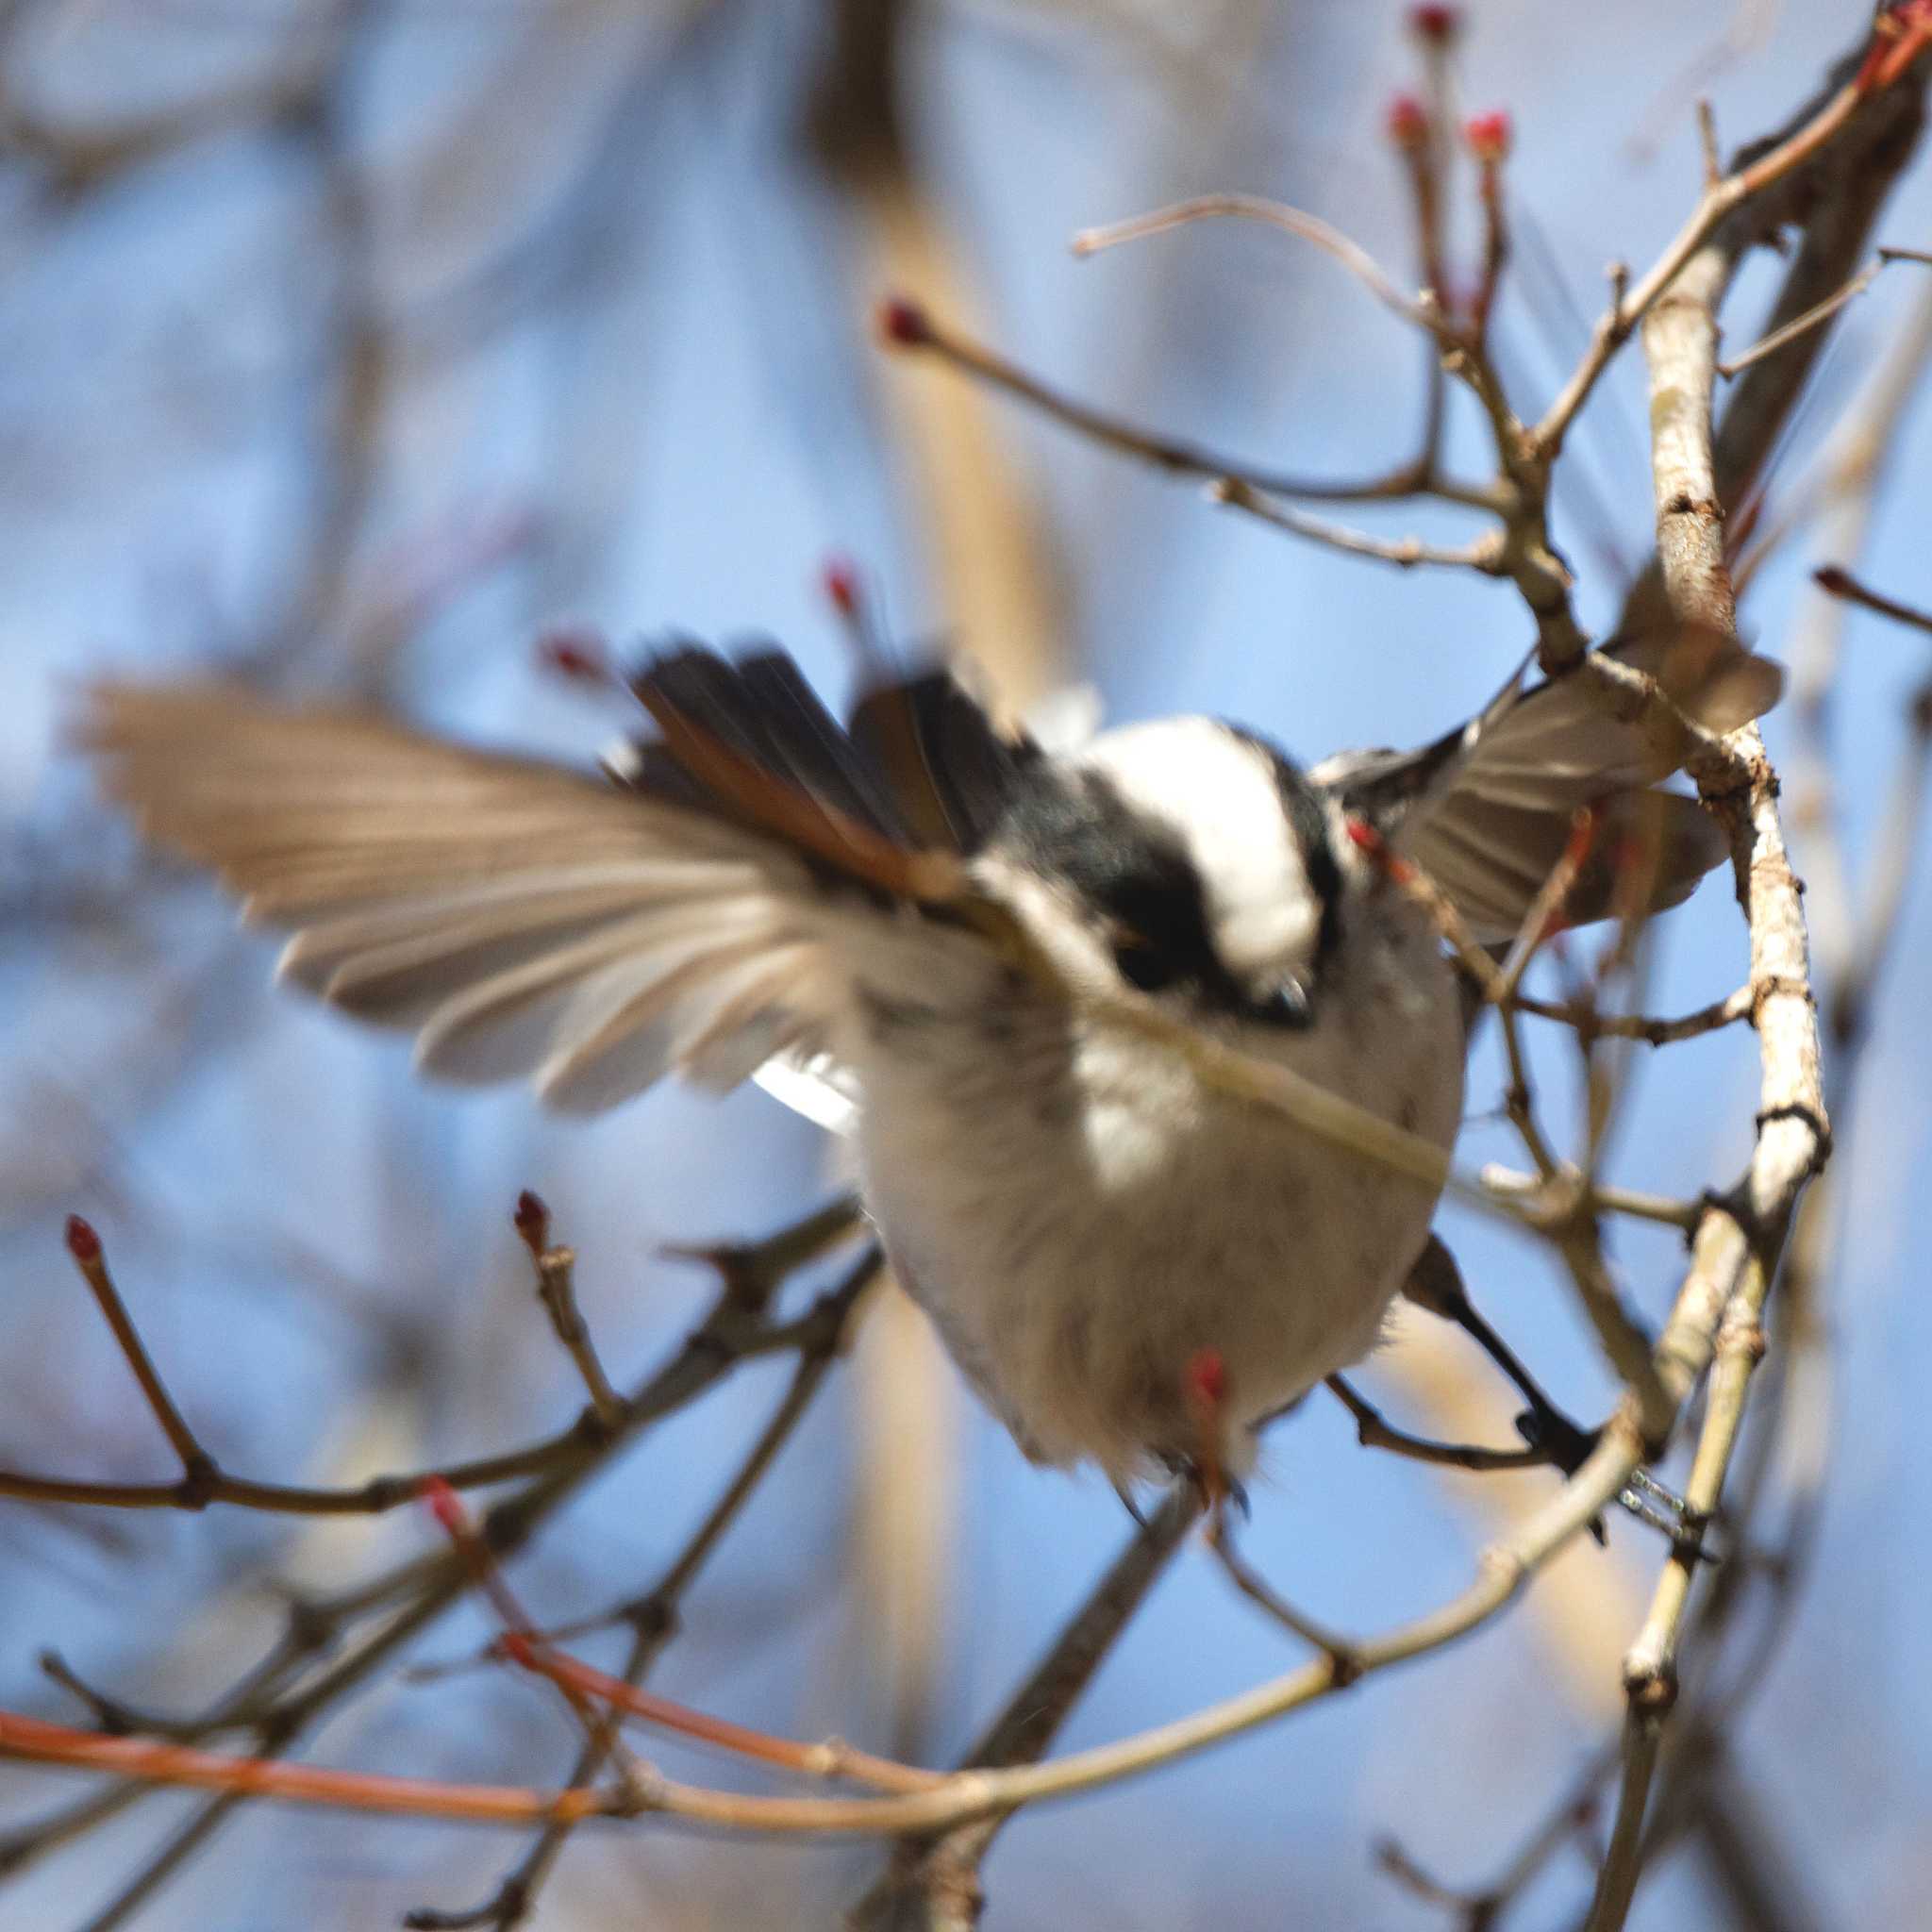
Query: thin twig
<point x="1490" y="137"/>
<point x="1404" y="552"/>
<point x="736" y="1331"/>
<point x="1818" y="312"/>
<point x="1292" y="220"/>
<point x="277" y="1701"/>
<point x="1551" y="1198"/>
<point x="1722" y="199"/>
<point x="557" y="1291"/>
<point x="1372" y="1431"/>
<point x="197" y="1466"/>
<point x="653" y="1617"/>
<point x="1592" y="1024"/>
<point x="909" y="326"/>
<point x="962" y="1796"/>
<point x="932" y="1884"/>
<point x="1708" y="144"/>
<point x="1836" y="581"/>
<point x="1340" y="1652"/>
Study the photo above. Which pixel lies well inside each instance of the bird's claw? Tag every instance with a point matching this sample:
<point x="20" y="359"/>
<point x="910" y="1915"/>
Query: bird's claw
<point x="1650" y="1500"/>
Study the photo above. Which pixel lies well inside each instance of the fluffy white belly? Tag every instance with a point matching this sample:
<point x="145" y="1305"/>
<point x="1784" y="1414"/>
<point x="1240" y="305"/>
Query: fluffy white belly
<point x="1082" y="1218"/>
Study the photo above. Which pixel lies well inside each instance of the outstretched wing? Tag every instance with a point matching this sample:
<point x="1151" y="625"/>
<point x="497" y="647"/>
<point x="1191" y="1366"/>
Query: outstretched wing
<point x="522" y="919"/>
<point x="1486" y="812"/>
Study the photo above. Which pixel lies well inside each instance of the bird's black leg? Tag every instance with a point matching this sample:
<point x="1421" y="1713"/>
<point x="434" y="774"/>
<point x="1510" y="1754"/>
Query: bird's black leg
<point x="1435" y="1283"/>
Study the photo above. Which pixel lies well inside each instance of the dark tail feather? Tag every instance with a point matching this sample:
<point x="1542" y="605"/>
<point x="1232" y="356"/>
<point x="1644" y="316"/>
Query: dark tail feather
<point x="921" y="768"/>
<point x="951" y="772"/>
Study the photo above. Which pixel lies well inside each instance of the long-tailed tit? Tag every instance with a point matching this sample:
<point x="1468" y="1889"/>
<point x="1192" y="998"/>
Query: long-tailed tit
<point x="956" y="928"/>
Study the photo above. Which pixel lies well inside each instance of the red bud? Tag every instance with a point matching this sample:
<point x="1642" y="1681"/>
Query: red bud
<point x="904" y="323"/>
<point x="1407" y="122"/>
<point x="1489" y="137"/>
<point x="83" y="1243"/>
<point x="1438" y="26"/>
<point x="841" y="585"/>
<point x="574" y="652"/>
<point x="532" y="1219"/>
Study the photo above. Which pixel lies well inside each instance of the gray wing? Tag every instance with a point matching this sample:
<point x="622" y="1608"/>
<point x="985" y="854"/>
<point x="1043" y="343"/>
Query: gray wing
<point x="519" y="918"/>
<point x="1486" y="810"/>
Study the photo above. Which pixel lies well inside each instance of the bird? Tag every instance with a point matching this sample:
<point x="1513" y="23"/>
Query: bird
<point x="985" y="954"/>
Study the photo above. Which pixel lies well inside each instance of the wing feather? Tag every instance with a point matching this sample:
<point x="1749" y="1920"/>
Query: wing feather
<point x="1487" y="812"/>
<point x="524" y="918"/>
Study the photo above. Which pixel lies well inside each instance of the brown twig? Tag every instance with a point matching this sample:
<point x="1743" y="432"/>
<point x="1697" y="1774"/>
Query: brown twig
<point x="932" y="1885"/>
<point x="748" y="1273"/>
<point x="198" y="1472"/>
<point x="279" y="1699"/>
<point x="1481" y="1910"/>
<point x="1488" y="138"/>
<point x="1592" y="1023"/>
<point x="1372" y="1431"/>
<point x="1836" y="581"/>
<point x="963" y="1796"/>
<point x="654" y="1618"/>
<point x="557" y="1291"/>
<point x="1483" y="556"/>
<point x="1811" y="318"/>
<point x="1338" y="1651"/>
<point x="1815" y="129"/>
<point x="908" y="326"/>
<point x="1291" y="221"/>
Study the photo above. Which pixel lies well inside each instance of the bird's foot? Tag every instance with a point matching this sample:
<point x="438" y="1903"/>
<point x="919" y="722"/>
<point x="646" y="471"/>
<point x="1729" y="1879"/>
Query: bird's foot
<point x="1547" y="1428"/>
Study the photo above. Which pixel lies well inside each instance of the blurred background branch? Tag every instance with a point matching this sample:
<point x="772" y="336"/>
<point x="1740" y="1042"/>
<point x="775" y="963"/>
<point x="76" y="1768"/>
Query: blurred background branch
<point x="354" y="346"/>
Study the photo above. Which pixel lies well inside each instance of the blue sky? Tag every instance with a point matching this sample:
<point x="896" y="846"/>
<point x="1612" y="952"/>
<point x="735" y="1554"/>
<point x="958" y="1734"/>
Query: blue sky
<point x="672" y="431"/>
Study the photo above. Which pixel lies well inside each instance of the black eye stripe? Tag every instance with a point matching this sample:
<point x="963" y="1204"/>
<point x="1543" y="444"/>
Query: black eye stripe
<point x="1077" y="827"/>
<point x="1139" y="875"/>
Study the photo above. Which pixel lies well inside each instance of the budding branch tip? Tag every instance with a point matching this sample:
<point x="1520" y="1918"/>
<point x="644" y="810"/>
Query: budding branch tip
<point x="903" y="323"/>
<point x="532" y="1221"/>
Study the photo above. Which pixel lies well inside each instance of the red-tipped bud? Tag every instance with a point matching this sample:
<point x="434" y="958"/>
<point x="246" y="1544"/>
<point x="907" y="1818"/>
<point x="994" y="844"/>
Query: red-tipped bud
<point x="532" y="1221"/>
<point x="1407" y="122"/>
<point x="840" y="580"/>
<point x="1438" y="26"/>
<point x="1489" y="137"/>
<point x="83" y="1243"/>
<point x="904" y="323"/>
<point x="1833" y="581"/>
<point x="576" y="651"/>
